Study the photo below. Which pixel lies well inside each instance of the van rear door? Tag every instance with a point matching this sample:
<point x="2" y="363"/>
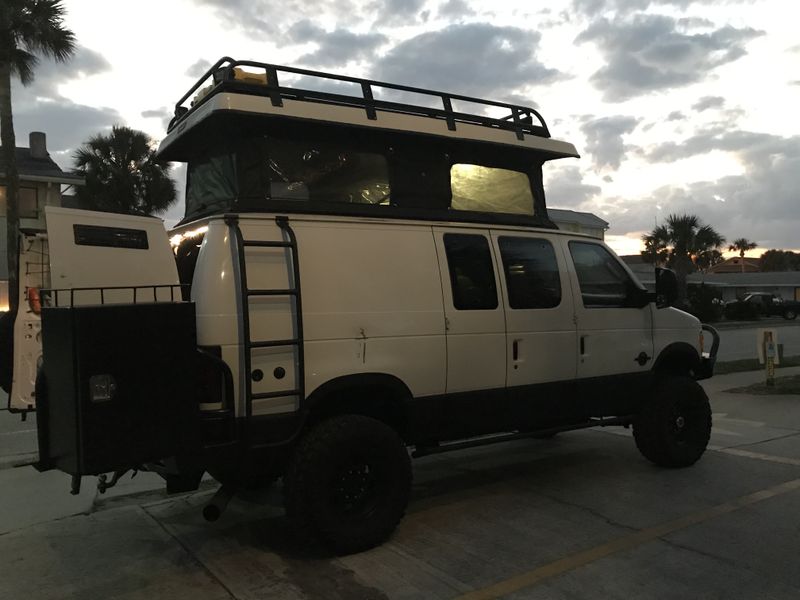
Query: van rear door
<point x="88" y="251"/>
<point x="92" y="250"/>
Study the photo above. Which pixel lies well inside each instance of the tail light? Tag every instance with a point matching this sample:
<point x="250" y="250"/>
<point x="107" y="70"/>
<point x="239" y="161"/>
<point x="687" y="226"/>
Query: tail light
<point x="34" y="300"/>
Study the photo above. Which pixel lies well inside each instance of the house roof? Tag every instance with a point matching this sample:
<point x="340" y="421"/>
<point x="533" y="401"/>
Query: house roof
<point x="772" y="278"/>
<point x="38" y="169"/>
<point x="561" y="215"/>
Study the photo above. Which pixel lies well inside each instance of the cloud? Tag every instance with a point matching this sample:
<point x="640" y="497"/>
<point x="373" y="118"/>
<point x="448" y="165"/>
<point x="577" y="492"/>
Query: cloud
<point x="647" y="53"/>
<point x="397" y="12"/>
<point x="455" y="9"/>
<point x="676" y="115"/>
<point x="565" y="188"/>
<point x="760" y="203"/>
<point x="473" y="59"/>
<point x="40" y="107"/>
<point x="707" y="102"/>
<point x="259" y="17"/>
<point x="595" y="7"/>
<point x="604" y="139"/>
<point x="198" y="69"/>
<point x="334" y="48"/>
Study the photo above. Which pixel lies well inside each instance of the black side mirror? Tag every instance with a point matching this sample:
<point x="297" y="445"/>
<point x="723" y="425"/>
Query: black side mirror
<point x="666" y="287"/>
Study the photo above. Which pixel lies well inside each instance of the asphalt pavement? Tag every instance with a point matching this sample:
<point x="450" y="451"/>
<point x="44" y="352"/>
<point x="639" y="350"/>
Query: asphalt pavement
<point x="582" y="515"/>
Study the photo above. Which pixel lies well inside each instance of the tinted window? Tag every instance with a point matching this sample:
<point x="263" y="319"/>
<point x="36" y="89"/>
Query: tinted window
<point x="604" y="282"/>
<point x="531" y="272"/>
<point x="469" y="261"/>
<point x="490" y="189"/>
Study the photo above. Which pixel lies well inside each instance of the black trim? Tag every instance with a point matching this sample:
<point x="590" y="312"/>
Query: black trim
<point x="678" y="353"/>
<point x="110" y="237"/>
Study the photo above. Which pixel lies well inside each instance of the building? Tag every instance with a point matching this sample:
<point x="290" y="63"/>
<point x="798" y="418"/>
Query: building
<point x="736" y="264"/>
<point x="578" y="222"/>
<point x="40" y="180"/>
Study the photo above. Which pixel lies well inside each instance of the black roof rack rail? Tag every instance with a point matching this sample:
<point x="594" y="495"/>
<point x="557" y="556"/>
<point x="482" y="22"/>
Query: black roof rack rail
<point x="520" y="119"/>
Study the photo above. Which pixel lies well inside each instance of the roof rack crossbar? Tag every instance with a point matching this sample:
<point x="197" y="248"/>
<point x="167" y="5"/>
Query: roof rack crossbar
<point x="222" y="76"/>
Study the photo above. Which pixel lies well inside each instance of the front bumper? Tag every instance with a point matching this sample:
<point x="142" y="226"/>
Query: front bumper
<point x="706" y="367"/>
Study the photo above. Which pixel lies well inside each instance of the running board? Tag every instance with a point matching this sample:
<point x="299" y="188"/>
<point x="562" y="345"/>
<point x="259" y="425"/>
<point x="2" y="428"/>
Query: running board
<point x="510" y="437"/>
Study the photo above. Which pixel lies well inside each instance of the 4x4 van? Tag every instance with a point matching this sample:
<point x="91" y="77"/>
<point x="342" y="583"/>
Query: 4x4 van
<point x="356" y="276"/>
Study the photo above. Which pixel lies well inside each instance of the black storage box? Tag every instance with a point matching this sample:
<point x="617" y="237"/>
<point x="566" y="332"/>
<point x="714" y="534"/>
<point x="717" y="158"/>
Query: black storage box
<point x="119" y="386"/>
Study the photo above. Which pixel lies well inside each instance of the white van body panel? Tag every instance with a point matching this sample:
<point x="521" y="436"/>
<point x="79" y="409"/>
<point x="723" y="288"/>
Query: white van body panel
<point x="672" y="325"/>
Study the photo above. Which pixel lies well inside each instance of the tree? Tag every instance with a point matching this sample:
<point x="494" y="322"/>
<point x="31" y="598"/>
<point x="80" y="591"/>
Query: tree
<point x="27" y="28"/>
<point x="742" y="245"/>
<point x="682" y="244"/>
<point x="123" y="175"/>
<point x="779" y="260"/>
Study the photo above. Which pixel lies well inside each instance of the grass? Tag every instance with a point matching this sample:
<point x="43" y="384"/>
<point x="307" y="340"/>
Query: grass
<point x="783" y="385"/>
<point x="752" y="364"/>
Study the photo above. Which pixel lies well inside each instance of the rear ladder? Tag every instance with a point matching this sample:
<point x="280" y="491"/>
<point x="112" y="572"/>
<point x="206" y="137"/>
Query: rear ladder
<point x="249" y="344"/>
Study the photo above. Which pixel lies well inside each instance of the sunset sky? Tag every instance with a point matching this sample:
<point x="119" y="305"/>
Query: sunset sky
<point x="674" y="105"/>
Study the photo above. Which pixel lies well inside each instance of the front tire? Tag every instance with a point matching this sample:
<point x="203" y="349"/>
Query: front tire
<point x="674" y="426"/>
<point x="349" y="482"/>
<point x="790" y="315"/>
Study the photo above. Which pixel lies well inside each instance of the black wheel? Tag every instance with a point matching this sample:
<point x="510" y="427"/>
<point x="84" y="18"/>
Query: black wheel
<point x="348" y="482"/>
<point x="674" y="426"/>
<point x="790" y="315"/>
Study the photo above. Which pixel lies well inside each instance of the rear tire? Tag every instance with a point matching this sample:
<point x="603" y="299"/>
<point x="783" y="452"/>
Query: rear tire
<point x="790" y="315"/>
<point x="674" y="426"/>
<point x="349" y="482"/>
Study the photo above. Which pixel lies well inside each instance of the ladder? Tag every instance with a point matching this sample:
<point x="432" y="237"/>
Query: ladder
<point x="249" y="344"/>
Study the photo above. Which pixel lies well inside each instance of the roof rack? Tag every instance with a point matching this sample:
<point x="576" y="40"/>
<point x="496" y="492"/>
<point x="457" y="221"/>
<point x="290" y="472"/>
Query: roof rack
<point x="226" y="77"/>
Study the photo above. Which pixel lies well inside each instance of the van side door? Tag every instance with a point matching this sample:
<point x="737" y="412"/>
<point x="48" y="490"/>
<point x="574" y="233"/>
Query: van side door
<point x="615" y="330"/>
<point x="541" y="334"/>
<point x="475" y="326"/>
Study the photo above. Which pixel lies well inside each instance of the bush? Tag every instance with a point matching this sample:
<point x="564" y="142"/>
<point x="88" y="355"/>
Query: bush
<point x="705" y="303"/>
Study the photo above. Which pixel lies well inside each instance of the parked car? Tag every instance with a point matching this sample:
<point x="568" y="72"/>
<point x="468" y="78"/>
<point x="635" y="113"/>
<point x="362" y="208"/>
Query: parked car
<point x="761" y="304"/>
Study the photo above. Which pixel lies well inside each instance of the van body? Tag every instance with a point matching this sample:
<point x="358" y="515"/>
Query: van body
<point x="355" y="276"/>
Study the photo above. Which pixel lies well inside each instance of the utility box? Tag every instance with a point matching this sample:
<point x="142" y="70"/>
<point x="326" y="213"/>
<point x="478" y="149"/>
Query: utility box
<point x="118" y="386"/>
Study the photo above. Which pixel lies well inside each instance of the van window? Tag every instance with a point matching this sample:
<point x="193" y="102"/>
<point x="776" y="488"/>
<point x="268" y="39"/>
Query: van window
<point x="469" y="261"/>
<point x="531" y="272"/>
<point x="604" y="282"/>
<point x="490" y="189"/>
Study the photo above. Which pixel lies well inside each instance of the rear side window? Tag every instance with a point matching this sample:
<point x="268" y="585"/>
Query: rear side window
<point x="469" y="261"/>
<point x="490" y="189"/>
<point x="604" y="282"/>
<point x="531" y="272"/>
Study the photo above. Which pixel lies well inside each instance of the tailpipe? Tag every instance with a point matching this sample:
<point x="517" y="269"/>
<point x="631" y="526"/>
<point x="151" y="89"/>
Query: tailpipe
<point x="216" y="506"/>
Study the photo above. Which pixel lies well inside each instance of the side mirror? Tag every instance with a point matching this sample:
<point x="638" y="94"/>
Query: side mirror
<point x="666" y="287"/>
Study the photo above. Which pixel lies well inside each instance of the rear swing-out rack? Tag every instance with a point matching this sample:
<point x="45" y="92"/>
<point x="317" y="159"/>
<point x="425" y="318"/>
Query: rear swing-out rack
<point x="226" y="76"/>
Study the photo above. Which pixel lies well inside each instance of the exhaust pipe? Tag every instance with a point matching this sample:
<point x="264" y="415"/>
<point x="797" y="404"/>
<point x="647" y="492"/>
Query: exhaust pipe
<point x="216" y="506"/>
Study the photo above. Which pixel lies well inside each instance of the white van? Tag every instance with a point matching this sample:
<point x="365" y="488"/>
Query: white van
<point x="356" y="275"/>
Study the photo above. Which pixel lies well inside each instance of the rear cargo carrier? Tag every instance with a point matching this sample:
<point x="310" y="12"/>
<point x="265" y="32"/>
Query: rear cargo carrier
<point x="116" y="389"/>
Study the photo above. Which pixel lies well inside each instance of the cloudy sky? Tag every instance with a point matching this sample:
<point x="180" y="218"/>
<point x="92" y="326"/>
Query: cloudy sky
<point x="674" y="105"/>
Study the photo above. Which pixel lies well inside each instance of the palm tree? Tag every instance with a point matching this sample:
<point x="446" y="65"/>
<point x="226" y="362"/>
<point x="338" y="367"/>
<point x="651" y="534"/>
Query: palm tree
<point x="742" y="245"/>
<point x="27" y="28"/>
<point x="123" y="175"/>
<point x="682" y="243"/>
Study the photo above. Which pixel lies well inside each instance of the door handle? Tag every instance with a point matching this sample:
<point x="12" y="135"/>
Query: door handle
<point x="515" y="350"/>
<point x="583" y="344"/>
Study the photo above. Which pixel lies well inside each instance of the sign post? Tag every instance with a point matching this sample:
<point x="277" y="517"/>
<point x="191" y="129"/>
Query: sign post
<point x="767" y="343"/>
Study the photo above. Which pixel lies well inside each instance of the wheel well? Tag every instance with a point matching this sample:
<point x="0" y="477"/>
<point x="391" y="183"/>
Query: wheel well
<point x="677" y="359"/>
<point x="382" y="397"/>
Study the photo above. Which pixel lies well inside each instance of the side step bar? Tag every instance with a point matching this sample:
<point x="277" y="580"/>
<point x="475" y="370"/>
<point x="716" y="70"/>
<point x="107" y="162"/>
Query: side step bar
<point x="486" y="440"/>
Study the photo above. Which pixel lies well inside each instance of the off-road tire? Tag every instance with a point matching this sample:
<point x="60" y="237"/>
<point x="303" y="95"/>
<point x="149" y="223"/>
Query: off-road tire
<point x="674" y="426"/>
<point x="348" y="483"/>
<point x="790" y="315"/>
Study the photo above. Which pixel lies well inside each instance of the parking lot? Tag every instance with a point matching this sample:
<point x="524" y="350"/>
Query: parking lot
<point x="582" y="515"/>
